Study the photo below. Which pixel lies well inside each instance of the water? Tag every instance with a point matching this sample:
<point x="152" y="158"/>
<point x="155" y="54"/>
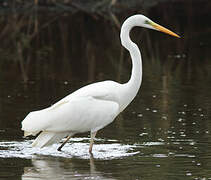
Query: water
<point x="164" y="134"/>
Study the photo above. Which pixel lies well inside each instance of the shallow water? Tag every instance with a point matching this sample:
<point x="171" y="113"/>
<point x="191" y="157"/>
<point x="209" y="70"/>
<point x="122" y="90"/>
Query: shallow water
<point x="164" y="134"/>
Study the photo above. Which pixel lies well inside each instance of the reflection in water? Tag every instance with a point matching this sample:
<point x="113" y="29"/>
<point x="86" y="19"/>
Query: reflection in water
<point x="178" y="153"/>
<point x="48" y="168"/>
<point x="182" y="155"/>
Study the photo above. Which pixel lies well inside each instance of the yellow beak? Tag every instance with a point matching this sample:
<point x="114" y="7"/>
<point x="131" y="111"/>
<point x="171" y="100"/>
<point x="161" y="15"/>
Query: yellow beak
<point x="162" y="29"/>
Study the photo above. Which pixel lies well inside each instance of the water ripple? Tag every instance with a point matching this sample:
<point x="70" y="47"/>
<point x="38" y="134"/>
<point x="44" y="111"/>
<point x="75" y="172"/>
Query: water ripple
<point x="78" y="149"/>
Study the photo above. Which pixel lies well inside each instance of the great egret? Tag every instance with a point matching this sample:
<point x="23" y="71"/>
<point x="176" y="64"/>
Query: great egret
<point x="94" y="106"/>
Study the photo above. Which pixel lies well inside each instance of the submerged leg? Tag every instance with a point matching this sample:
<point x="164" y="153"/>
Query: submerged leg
<point x="60" y="147"/>
<point x="93" y="134"/>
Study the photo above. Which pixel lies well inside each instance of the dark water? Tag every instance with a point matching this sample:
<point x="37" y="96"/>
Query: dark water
<point x="164" y="134"/>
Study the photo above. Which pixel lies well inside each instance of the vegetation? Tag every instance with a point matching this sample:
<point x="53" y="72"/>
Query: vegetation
<point x="38" y="35"/>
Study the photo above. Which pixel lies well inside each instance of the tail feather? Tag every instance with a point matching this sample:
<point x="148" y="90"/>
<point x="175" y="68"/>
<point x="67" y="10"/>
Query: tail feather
<point x="26" y="133"/>
<point x="48" y="138"/>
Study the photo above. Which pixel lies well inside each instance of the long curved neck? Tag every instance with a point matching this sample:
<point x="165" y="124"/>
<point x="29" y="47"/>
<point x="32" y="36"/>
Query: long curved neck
<point x="132" y="86"/>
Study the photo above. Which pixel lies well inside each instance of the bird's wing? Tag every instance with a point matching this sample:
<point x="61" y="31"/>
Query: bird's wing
<point x="105" y="90"/>
<point x="79" y="114"/>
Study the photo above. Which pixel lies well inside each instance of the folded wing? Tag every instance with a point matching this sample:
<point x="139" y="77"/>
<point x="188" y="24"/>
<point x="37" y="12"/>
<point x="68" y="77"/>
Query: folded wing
<point x="79" y="114"/>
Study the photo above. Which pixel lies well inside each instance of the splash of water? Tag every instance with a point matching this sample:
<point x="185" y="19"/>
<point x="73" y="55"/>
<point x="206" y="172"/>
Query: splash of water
<point x="78" y="148"/>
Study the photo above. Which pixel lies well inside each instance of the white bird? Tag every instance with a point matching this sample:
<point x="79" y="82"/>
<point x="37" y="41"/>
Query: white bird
<point x="94" y="106"/>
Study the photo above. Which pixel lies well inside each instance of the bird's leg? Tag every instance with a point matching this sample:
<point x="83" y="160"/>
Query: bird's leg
<point x="60" y="147"/>
<point x="92" y="165"/>
<point x="93" y="134"/>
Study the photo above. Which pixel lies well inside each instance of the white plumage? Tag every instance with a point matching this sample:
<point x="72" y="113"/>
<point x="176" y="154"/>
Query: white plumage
<point x="94" y="106"/>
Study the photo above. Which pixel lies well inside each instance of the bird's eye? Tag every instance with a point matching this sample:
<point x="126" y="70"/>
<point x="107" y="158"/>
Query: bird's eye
<point x="147" y="22"/>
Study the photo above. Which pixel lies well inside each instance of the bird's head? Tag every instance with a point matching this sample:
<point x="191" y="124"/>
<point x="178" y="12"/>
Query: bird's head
<point x="143" y="21"/>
